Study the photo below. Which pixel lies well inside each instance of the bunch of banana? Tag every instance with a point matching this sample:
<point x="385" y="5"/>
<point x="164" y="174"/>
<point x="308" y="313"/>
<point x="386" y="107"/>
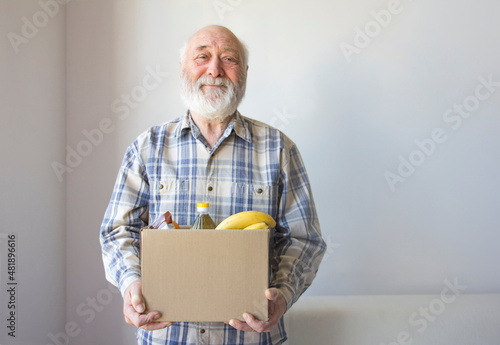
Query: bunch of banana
<point x="247" y="220"/>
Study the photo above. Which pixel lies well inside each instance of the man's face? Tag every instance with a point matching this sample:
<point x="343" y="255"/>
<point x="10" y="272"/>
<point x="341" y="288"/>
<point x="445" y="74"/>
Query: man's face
<point x="213" y="73"/>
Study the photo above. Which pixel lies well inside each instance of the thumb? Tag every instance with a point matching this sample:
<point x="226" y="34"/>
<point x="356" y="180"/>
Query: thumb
<point x="137" y="300"/>
<point x="138" y="303"/>
<point x="272" y="294"/>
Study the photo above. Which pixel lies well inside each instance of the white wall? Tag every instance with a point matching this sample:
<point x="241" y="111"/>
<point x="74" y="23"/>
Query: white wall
<point x="352" y="118"/>
<point x="32" y="136"/>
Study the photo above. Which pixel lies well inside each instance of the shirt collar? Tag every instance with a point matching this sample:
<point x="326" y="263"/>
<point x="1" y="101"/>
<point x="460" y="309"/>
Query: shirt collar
<point x="241" y="127"/>
<point x="183" y="124"/>
<point x="238" y="124"/>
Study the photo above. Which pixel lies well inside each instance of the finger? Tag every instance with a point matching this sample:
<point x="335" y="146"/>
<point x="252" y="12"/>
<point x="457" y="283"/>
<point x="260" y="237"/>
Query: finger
<point x="277" y="303"/>
<point x="135" y="293"/>
<point x="272" y="297"/>
<point x="155" y="325"/>
<point x="137" y="302"/>
<point x="256" y="325"/>
<point x="127" y="320"/>
<point x="242" y="326"/>
<point x="129" y="314"/>
<point x="134" y="318"/>
<point x="272" y="294"/>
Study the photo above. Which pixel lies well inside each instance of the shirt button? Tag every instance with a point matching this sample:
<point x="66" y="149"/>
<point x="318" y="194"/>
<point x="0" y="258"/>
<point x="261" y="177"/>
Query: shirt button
<point x="210" y="188"/>
<point x="202" y="331"/>
<point x="161" y="186"/>
<point x="259" y="191"/>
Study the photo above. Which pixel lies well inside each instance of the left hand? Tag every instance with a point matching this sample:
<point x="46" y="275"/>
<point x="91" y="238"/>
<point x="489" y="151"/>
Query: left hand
<point x="277" y="307"/>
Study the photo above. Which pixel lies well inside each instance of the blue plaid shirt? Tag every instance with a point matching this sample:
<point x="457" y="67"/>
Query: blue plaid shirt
<point x="252" y="167"/>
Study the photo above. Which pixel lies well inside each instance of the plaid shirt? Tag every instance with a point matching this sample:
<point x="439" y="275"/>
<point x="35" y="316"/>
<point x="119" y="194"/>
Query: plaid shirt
<point x="252" y="167"/>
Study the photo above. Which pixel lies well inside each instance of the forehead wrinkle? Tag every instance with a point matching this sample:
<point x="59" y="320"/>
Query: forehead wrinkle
<point x="204" y="47"/>
<point x="201" y="47"/>
<point x="209" y="40"/>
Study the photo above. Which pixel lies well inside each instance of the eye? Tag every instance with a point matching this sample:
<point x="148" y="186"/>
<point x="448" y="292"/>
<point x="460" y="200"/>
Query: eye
<point x="230" y="59"/>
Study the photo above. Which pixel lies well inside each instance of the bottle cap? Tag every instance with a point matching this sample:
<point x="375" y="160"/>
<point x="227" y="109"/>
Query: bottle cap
<point x="203" y="204"/>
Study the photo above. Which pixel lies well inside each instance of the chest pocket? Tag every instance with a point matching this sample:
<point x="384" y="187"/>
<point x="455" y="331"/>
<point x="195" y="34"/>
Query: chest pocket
<point x="254" y="197"/>
<point x="170" y="195"/>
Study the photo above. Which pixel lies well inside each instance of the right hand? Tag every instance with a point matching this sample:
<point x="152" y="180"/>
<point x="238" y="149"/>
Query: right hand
<point x="134" y="307"/>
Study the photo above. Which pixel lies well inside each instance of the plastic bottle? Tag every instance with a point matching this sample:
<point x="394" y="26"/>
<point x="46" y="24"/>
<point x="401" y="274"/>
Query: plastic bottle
<point x="203" y="220"/>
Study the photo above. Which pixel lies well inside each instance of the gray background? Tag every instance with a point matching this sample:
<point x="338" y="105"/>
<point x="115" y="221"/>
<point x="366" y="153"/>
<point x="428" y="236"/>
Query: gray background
<point x="356" y="119"/>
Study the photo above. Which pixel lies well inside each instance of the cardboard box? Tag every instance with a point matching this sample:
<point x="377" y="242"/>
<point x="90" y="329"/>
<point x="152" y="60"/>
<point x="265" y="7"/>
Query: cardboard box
<point x="205" y="275"/>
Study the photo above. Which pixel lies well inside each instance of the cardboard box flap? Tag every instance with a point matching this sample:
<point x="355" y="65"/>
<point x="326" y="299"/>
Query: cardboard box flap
<point x="205" y="275"/>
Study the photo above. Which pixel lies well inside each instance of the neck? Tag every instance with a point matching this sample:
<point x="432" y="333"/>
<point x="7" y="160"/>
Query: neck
<point x="212" y="130"/>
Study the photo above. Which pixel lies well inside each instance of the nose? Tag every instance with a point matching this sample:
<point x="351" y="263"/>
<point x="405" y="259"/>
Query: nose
<point x="215" y="69"/>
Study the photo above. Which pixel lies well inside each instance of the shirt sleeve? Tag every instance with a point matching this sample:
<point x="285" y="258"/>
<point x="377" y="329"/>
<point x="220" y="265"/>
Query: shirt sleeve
<point x="298" y="246"/>
<point x="126" y="215"/>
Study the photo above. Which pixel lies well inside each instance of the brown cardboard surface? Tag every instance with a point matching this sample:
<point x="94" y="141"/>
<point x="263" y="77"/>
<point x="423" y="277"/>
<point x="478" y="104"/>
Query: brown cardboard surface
<point x="205" y="275"/>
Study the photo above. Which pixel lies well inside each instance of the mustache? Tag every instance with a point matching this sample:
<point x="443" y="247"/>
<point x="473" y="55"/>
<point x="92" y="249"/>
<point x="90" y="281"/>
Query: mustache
<point x="207" y="80"/>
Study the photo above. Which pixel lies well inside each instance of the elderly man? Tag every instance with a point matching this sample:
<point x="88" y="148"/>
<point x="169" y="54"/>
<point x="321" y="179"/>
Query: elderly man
<point x="213" y="153"/>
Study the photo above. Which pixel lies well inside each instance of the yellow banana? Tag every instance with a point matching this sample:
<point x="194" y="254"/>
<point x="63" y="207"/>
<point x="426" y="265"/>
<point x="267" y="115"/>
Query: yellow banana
<point x="256" y="226"/>
<point x="243" y="219"/>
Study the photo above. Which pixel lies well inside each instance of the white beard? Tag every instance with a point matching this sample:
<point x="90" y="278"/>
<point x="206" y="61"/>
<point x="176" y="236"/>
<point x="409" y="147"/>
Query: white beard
<point x="214" y="104"/>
